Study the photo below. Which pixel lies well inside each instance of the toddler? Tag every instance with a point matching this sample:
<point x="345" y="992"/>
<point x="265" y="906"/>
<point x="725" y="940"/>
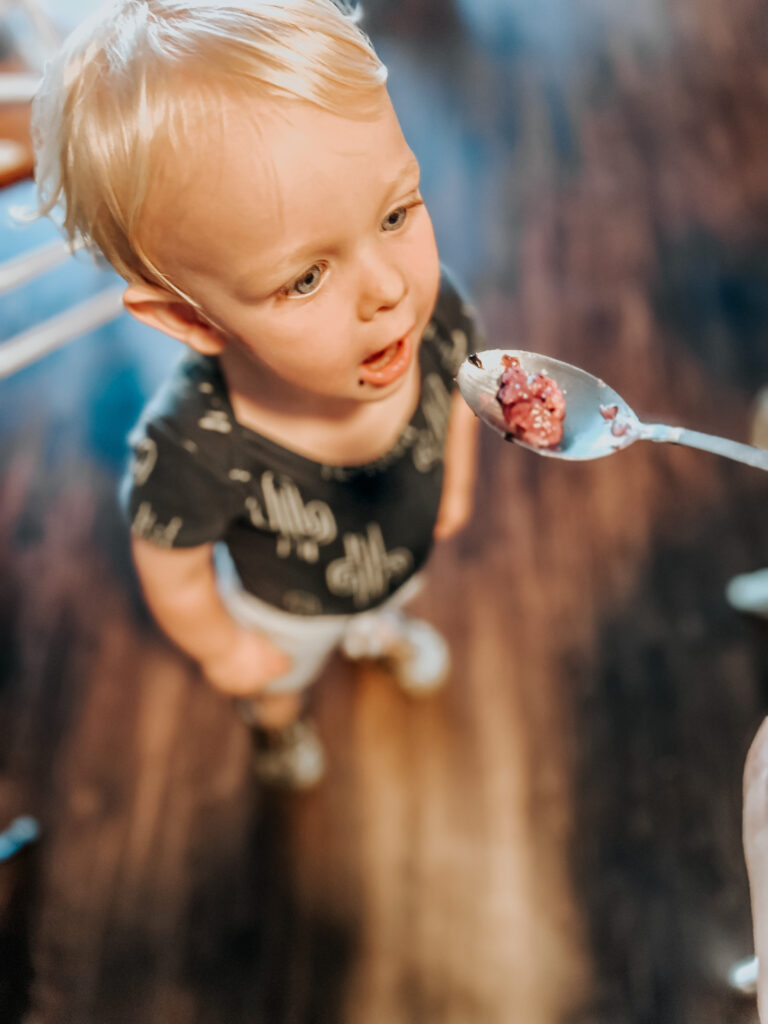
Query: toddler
<point x="240" y="164"/>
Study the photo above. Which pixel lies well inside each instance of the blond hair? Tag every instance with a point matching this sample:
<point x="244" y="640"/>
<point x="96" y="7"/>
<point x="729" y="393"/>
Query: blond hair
<point x="118" y="97"/>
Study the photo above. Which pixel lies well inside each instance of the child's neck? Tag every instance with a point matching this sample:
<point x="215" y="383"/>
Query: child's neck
<point x="335" y="432"/>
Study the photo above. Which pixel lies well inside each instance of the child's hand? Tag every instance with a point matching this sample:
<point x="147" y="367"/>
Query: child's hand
<point x="248" y="665"/>
<point x="458" y="497"/>
<point x="454" y="513"/>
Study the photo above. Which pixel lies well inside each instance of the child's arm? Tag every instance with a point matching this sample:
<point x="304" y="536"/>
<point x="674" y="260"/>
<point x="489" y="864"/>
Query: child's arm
<point x="458" y="497"/>
<point x="180" y="588"/>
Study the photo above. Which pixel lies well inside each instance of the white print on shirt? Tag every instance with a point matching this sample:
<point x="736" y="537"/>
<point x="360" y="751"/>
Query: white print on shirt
<point x="436" y="406"/>
<point x="453" y="351"/>
<point x="145" y="525"/>
<point x="144" y="460"/>
<point x="300" y="602"/>
<point x="241" y="476"/>
<point x="215" y="420"/>
<point x="368" y="568"/>
<point x="308" y="526"/>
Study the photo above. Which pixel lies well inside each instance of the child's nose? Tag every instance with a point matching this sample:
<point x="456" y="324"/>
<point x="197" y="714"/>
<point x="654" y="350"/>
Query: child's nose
<point x="383" y="284"/>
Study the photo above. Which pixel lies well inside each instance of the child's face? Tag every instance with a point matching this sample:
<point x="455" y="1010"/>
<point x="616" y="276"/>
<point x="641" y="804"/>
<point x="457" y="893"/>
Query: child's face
<point x="306" y="239"/>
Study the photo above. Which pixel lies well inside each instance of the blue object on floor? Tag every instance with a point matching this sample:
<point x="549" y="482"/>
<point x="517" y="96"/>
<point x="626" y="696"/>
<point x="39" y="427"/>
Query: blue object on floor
<point x="20" y="833"/>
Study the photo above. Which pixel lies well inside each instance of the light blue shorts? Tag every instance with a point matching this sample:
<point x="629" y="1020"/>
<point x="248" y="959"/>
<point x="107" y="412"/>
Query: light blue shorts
<point x="309" y="640"/>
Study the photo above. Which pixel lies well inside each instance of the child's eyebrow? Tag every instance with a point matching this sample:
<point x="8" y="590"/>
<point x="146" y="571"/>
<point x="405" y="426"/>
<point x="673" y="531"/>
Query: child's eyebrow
<point x="409" y="174"/>
<point x="409" y="171"/>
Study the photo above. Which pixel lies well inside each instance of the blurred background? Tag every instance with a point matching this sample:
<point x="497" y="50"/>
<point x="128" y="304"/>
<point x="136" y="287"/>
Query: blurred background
<point x="557" y="836"/>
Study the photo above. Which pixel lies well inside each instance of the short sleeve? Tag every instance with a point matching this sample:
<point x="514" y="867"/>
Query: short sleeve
<point x="170" y="494"/>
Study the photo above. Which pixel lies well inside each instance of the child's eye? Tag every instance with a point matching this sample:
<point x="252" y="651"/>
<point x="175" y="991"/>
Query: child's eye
<point x="307" y="283"/>
<point x="395" y="220"/>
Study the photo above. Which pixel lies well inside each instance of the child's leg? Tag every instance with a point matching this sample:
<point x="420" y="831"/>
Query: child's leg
<point x="271" y="711"/>
<point x="287" y="750"/>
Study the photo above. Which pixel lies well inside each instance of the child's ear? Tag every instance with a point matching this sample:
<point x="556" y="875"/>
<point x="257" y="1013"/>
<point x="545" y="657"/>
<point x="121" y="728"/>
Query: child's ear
<point x="172" y="315"/>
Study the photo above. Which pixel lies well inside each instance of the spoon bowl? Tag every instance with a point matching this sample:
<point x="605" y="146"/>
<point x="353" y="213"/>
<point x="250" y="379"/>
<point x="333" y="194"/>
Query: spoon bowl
<point x="598" y="422"/>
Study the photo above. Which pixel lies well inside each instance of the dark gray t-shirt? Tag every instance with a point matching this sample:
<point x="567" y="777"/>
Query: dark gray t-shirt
<point x="308" y="538"/>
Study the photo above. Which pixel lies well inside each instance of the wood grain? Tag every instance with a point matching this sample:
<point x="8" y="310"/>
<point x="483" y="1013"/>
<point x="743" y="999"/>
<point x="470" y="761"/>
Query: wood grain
<point x="556" y="836"/>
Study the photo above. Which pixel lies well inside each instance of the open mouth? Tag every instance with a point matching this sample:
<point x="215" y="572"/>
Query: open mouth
<point x="387" y="364"/>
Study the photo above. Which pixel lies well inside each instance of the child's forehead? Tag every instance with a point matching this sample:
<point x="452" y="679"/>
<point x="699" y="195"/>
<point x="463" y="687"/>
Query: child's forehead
<point x="230" y="127"/>
<point x="281" y="170"/>
<point x="220" y="113"/>
<point x="222" y="141"/>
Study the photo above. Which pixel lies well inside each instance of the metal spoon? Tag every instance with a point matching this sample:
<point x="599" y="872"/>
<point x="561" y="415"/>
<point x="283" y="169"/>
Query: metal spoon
<point x="588" y="432"/>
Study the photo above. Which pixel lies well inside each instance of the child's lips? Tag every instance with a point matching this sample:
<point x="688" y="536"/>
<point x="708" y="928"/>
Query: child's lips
<point x="387" y="364"/>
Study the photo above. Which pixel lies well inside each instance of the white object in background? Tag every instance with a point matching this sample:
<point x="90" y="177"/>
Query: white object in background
<point x="748" y="593"/>
<point x="743" y="976"/>
<point x="13" y="156"/>
<point x="17" y="87"/>
<point x="29" y="265"/>
<point x="46" y="337"/>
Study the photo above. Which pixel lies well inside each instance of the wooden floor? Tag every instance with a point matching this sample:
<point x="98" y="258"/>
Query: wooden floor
<point x="556" y="837"/>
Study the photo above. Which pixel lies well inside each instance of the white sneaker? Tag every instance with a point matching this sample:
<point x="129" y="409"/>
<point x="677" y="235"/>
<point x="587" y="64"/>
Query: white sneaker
<point x="413" y="651"/>
<point x="749" y="593"/>
<point x="421" y="662"/>
<point x="288" y="758"/>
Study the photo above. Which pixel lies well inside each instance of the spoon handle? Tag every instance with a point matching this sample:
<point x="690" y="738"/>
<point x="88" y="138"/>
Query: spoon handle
<point x="757" y="457"/>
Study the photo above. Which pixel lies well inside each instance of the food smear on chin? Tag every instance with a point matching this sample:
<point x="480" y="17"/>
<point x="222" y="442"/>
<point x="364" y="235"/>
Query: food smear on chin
<point x="532" y="404"/>
<point x="619" y="426"/>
